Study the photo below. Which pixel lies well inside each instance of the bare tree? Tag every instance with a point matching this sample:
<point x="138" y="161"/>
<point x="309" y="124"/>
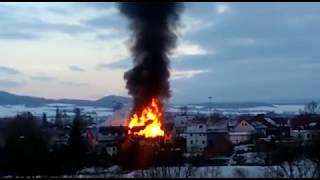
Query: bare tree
<point x="190" y="171"/>
<point x="302" y="168"/>
<point x="209" y="172"/>
<point x="177" y="172"/>
<point x="215" y="172"/>
<point x="311" y="107"/>
<point x="240" y="173"/>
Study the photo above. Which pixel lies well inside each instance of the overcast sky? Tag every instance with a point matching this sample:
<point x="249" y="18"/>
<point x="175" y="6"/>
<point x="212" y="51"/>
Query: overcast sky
<point x="230" y="51"/>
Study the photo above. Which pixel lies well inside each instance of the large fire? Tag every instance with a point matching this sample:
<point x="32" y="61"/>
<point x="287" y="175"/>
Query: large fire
<point x="148" y="124"/>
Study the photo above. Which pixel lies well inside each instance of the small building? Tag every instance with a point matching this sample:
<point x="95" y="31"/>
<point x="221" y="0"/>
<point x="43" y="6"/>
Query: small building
<point x="109" y="139"/>
<point x="196" y="138"/>
<point x="303" y="135"/>
<point x="180" y="125"/>
<point x="240" y="137"/>
<point x="305" y="127"/>
<point x="306" y="134"/>
<point x="216" y="130"/>
<point x="219" y="144"/>
<point x="245" y="130"/>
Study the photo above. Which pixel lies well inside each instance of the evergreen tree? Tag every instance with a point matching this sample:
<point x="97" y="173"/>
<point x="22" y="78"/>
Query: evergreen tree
<point x="77" y="145"/>
<point x="58" y="120"/>
<point x="44" y="120"/>
<point x="25" y="151"/>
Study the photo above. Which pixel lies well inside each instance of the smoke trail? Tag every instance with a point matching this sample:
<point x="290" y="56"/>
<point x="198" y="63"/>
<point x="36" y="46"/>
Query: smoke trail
<point x="153" y="37"/>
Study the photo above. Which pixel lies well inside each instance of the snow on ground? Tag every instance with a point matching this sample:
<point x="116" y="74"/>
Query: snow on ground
<point x="305" y="170"/>
<point x="291" y="109"/>
<point x="50" y="110"/>
<point x="243" y="147"/>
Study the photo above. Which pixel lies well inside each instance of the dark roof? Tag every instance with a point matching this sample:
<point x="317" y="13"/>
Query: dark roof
<point x="280" y="120"/>
<point x="305" y="121"/>
<point x="112" y="129"/>
<point x="197" y="120"/>
<point x="257" y="125"/>
<point x="260" y="119"/>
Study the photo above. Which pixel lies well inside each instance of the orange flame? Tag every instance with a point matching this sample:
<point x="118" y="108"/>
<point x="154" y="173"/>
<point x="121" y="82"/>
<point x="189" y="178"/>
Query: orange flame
<point x="149" y="121"/>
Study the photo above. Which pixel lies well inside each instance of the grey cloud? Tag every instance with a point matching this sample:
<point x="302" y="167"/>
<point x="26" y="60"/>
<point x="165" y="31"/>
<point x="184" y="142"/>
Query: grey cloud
<point x="9" y="84"/>
<point x="280" y="60"/>
<point x="76" y="68"/>
<point x="18" y="36"/>
<point x="96" y="5"/>
<point x="71" y="83"/>
<point x="42" y="78"/>
<point x="8" y="70"/>
<point x="122" y="64"/>
<point x="14" y="27"/>
<point x="106" y="21"/>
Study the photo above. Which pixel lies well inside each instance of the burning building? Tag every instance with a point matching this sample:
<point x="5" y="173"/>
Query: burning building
<point x="153" y="38"/>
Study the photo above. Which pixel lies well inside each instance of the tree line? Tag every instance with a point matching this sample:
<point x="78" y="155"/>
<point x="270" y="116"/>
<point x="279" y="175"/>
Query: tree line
<point x="26" y="148"/>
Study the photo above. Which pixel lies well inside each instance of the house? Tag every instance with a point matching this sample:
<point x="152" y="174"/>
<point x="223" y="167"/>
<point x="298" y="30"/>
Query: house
<point x="180" y="125"/>
<point x="216" y="129"/>
<point x="196" y="137"/>
<point x="240" y="137"/>
<point x="303" y="135"/>
<point x="245" y="130"/>
<point x="276" y="127"/>
<point x="109" y="139"/>
<point x="219" y="144"/>
<point x="305" y="127"/>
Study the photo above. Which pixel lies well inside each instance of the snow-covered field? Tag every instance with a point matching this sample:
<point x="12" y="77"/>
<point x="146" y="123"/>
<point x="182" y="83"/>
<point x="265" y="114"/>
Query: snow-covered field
<point x="289" y="109"/>
<point x="49" y="109"/>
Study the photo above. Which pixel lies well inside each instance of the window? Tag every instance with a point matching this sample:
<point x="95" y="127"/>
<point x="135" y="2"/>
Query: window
<point x="299" y="135"/>
<point x="200" y="126"/>
<point x="203" y="142"/>
<point x="191" y="134"/>
<point x="308" y="136"/>
<point x="191" y="142"/>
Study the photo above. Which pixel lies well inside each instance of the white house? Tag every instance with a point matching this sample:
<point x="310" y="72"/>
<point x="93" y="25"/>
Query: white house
<point x="196" y="137"/>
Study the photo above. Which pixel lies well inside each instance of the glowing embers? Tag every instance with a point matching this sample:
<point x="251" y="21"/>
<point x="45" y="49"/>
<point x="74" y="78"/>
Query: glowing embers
<point x="148" y="124"/>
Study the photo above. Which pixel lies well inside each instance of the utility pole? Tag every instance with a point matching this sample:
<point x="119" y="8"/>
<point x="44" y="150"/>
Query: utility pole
<point x="210" y="106"/>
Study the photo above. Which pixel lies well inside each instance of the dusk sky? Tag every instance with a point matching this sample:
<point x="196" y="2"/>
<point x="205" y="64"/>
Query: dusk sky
<point x="230" y="51"/>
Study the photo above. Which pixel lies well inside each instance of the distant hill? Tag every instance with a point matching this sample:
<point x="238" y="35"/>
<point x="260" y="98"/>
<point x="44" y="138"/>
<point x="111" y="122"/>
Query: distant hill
<point x="7" y="98"/>
<point x="13" y="99"/>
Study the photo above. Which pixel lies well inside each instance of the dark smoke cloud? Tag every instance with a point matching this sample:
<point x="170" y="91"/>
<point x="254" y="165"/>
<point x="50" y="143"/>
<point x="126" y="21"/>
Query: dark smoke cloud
<point x="153" y="37"/>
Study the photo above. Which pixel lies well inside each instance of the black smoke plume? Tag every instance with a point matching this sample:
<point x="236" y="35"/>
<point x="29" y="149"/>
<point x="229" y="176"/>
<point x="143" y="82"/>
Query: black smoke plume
<point x="153" y="37"/>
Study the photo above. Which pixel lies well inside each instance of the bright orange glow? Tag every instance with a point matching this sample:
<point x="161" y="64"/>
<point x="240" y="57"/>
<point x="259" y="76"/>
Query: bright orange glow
<point x="149" y="121"/>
